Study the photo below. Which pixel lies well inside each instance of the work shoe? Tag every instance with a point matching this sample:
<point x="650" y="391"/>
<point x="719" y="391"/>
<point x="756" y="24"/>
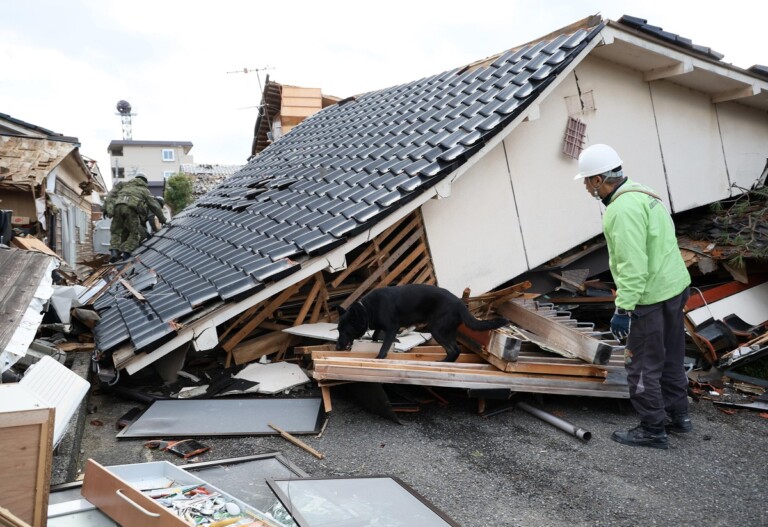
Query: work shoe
<point x="653" y="436"/>
<point x="678" y="423"/>
<point x="114" y="256"/>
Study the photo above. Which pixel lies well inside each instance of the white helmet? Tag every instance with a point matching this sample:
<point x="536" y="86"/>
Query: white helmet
<point x="597" y="159"/>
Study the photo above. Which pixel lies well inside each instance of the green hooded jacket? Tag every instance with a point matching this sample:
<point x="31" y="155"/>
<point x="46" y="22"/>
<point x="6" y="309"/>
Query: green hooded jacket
<point x="644" y="257"/>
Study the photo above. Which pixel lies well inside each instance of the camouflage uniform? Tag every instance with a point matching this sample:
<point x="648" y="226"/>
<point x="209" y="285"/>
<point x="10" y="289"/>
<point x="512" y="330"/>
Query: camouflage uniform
<point x="132" y="205"/>
<point x="109" y="200"/>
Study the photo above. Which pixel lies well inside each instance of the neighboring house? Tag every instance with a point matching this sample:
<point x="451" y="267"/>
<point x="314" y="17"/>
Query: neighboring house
<point x="283" y="107"/>
<point x="49" y="187"/>
<point x="206" y="176"/>
<point x="468" y="172"/>
<point x="157" y="160"/>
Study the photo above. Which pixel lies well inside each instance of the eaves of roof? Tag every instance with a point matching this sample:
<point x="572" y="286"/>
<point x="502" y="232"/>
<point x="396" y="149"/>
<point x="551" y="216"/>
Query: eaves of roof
<point x="345" y="172"/>
<point x="25" y="129"/>
<point x="661" y="55"/>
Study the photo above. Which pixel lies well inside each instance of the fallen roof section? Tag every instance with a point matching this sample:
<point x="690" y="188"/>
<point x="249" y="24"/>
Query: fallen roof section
<point x="330" y="182"/>
<point x="25" y="286"/>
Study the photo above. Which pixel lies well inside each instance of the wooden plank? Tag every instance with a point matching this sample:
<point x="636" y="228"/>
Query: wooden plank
<point x="419" y="353"/>
<point x="516" y="382"/>
<point x="9" y="519"/>
<point x="363" y="288"/>
<point x="247" y="315"/>
<point x="309" y="300"/>
<point x="408" y="260"/>
<point x="76" y="346"/>
<point x="26" y="437"/>
<point x="354" y="266"/>
<point x="418" y="267"/>
<point x="138" y="296"/>
<point x="296" y="441"/>
<point x="253" y="349"/>
<point x="325" y="391"/>
<point x="560" y="336"/>
<point x="266" y="312"/>
<point x="32" y="244"/>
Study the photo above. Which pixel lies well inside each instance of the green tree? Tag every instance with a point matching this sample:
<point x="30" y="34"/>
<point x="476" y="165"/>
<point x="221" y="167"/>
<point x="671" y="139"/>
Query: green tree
<point x="178" y="192"/>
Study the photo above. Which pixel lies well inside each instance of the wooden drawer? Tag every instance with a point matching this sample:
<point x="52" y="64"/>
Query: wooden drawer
<point x="117" y="492"/>
<point x="123" y="502"/>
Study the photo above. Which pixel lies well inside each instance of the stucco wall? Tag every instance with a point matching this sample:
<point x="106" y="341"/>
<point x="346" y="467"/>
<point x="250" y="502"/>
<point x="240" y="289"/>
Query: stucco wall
<point x="519" y="207"/>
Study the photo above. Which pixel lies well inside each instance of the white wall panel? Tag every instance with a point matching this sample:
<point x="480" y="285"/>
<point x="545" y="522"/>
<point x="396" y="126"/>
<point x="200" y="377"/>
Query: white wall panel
<point x="519" y="207"/>
<point x="624" y="119"/>
<point x="473" y="235"/>
<point x="690" y="142"/>
<point x="745" y="142"/>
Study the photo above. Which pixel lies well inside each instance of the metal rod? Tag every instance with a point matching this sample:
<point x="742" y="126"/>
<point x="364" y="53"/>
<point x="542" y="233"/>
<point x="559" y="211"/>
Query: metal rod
<point x="562" y="424"/>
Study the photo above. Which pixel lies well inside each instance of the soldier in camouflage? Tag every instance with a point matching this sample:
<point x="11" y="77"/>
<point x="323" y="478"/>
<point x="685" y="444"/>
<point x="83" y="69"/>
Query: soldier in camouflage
<point x="131" y="208"/>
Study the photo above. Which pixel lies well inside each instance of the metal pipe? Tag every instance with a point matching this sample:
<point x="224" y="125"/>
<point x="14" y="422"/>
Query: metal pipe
<point x="562" y="424"/>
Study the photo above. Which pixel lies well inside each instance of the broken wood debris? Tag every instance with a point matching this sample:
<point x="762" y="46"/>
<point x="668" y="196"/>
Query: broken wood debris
<point x="561" y="333"/>
<point x="469" y="371"/>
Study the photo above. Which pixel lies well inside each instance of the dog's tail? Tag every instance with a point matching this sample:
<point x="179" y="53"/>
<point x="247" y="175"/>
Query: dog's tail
<point x="481" y="325"/>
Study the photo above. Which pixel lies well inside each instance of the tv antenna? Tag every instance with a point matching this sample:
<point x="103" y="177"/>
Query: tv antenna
<point x="256" y="71"/>
<point x="124" y="111"/>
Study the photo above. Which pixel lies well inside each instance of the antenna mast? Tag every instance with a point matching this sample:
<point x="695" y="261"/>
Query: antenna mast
<point x="124" y="111"/>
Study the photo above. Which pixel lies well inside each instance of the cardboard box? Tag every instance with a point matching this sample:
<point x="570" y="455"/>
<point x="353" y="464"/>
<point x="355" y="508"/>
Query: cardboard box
<point x="19" y="220"/>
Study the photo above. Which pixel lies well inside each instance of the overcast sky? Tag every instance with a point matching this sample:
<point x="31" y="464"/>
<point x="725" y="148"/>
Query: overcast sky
<point x="64" y="64"/>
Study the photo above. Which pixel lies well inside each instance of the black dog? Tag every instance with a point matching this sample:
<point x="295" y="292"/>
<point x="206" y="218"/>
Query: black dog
<point x="388" y="309"/>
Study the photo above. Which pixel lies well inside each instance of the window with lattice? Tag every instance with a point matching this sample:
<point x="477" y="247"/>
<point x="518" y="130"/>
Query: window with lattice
<point x="573" y="142"/>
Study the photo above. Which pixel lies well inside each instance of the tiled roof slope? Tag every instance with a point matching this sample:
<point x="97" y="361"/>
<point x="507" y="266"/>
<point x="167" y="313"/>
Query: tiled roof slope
<point x="333" y="176"/>
<point x="643" y="26"/>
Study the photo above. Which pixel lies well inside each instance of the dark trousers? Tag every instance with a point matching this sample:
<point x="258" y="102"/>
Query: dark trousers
<point x="654" y="359"/>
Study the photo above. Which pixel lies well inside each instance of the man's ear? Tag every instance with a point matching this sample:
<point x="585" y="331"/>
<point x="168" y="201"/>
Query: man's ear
<point x="341" y="310"/>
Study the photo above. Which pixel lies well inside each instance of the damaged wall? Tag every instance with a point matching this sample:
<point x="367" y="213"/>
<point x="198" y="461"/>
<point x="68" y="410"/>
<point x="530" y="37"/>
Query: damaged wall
<point x="519" y="206"/>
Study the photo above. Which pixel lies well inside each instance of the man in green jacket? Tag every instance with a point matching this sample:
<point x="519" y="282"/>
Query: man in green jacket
<point x="651" y="290"/>
<point x="133" y="203"/>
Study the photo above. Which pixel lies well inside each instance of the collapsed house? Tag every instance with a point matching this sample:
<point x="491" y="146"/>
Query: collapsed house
<point x="46" y="193"/>
<point x="462" y="179"/>
<point x="47" y="190"/>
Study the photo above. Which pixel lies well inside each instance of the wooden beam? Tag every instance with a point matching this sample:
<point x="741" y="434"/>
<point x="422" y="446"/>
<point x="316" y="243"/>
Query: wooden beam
<point x="732" y="95"/>
<point x="138" y="296"/>
<point x="266" y="312"/>
<point x="241" y="319"/>
<point x="555" y="333"/>
<point x="363" y="288"/>
<point x="296" y="441"/>
<point x="681" y="68"/>
<point x="308" y="302"/>
<point x="463" y="376"/>
<point x="403" y="265"/>
<point x="253" y="349"/>
<point x="361" y="259"/>
<point x="321" y="303"/>
<point x="373" y="250"/>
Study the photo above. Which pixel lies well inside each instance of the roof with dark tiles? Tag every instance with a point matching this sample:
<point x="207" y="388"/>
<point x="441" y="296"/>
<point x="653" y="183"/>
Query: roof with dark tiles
<point x="334" y="175"/>
<point x="671" y="38"/>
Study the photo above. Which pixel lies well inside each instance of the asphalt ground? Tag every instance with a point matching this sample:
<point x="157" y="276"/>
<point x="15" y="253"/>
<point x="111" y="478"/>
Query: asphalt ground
<point x="505" y="469"/>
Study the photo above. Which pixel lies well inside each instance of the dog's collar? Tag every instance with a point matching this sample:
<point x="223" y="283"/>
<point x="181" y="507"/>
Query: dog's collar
<point x="365" y="312"/>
